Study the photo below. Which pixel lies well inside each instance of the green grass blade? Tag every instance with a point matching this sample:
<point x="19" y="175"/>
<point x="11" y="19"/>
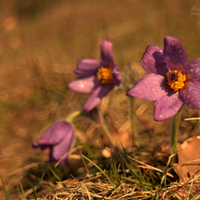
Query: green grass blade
<point x="114" y="169"/>
<point x="133" y="170"/>
<point x="124" y="170"/>
<point x="22" y="189"/>
<point x="111" y="174"/>
<point x="34" y="191"/>
<point x="54" y="173"/>
<point x="132" y="180"/>
<point x="4" y="188"/>
<point x="137" y="174"/>
<point x="102" y="173"/>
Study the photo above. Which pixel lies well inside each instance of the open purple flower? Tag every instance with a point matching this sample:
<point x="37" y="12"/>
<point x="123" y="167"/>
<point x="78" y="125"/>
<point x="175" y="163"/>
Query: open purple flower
<point x="59" y="138"/>
<point x="97" y="78"/>
<point x="170" y="81"/>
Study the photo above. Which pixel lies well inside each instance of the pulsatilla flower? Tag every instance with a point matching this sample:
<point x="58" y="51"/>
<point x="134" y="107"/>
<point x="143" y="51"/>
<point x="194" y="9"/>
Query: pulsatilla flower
<point x="59" y="138"/>
<point x="95" y="77"/>
<point x="170" y="79"/>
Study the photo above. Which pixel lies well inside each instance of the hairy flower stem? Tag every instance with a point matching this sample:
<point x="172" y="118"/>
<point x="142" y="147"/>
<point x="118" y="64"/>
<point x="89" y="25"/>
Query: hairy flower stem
<point x="173" y="144"/>
<point x="135" y="141"/>
<point x="108" y="135"/>
<point x="118" y="153"/>
<point x="73" y="115"/>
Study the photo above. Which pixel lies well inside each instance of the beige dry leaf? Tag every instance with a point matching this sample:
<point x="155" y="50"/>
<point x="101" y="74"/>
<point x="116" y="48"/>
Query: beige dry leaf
<point x="188" y="168"/>
<point x="188" y="159"/>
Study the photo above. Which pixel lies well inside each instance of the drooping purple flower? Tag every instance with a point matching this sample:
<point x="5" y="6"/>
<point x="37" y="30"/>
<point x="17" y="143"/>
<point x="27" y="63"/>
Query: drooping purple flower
<point x="95" y="77"/>
<point x="170" y="79"/>
<point x="59" y="138"/>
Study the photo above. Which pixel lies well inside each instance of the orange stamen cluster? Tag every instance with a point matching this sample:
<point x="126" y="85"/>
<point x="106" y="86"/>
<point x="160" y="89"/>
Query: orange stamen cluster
<point x="104" y="74"/>
<point x="175" y="79"/>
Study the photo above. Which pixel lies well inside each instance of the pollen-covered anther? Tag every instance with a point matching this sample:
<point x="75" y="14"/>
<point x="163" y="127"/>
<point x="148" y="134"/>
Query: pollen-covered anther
<point x="175" y="79"/>
<point x="104" y="74"/>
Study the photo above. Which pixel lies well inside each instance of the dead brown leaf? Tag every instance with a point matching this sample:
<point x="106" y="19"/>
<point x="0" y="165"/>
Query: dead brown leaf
<point x="188" y="167"/>
<point x="188" y="159"/>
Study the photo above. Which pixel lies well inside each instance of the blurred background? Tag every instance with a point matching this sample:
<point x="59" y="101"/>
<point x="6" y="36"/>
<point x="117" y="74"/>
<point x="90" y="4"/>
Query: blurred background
<point x="40" y="43"/>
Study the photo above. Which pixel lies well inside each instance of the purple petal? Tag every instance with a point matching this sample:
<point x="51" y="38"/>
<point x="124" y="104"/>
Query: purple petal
<point x="61" y="149"/>
<point x="88" y="65"/>
<point x="107" y="53"/>
<point x="191" y="95"/>
<point x="97" y="96"/>
<point x="82" y="73"/>
<point x="193" y="72"/>
<point x="151" y="87"/>
<point x="174" y="52"/>
<point x="55" y="134"/>
<point x="83" y="84"/>
<point x="116" y="76"/>
<point x="59" y="138"/>
<point x="167" y="106"/>
<point x="153" y="62"/>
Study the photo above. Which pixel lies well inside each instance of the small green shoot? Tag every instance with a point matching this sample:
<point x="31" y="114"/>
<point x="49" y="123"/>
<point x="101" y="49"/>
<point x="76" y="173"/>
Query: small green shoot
<point x="53" y="172"/>
<point x="113" y="170"/>
<point x="102" y="173"/>
<point x="22" y="190"/>
<point x="134" y="171"/>
<point x="4" y="188"/>
<point x="34" y="190"/>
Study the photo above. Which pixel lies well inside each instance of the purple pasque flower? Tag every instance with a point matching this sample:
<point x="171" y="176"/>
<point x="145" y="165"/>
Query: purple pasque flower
<point x="170" y="79"/>
<point x="95" y="77"/>
<point x="59" y="138"/>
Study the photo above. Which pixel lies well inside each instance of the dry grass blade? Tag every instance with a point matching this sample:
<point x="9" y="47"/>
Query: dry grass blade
<point x="192" y="118"/>
<point x="99" y="188"/>
<point x="146" y="166"/>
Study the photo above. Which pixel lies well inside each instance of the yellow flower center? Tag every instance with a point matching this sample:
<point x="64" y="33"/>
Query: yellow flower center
<point x="104" y="74"/>
<point x="175" y="79"/>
